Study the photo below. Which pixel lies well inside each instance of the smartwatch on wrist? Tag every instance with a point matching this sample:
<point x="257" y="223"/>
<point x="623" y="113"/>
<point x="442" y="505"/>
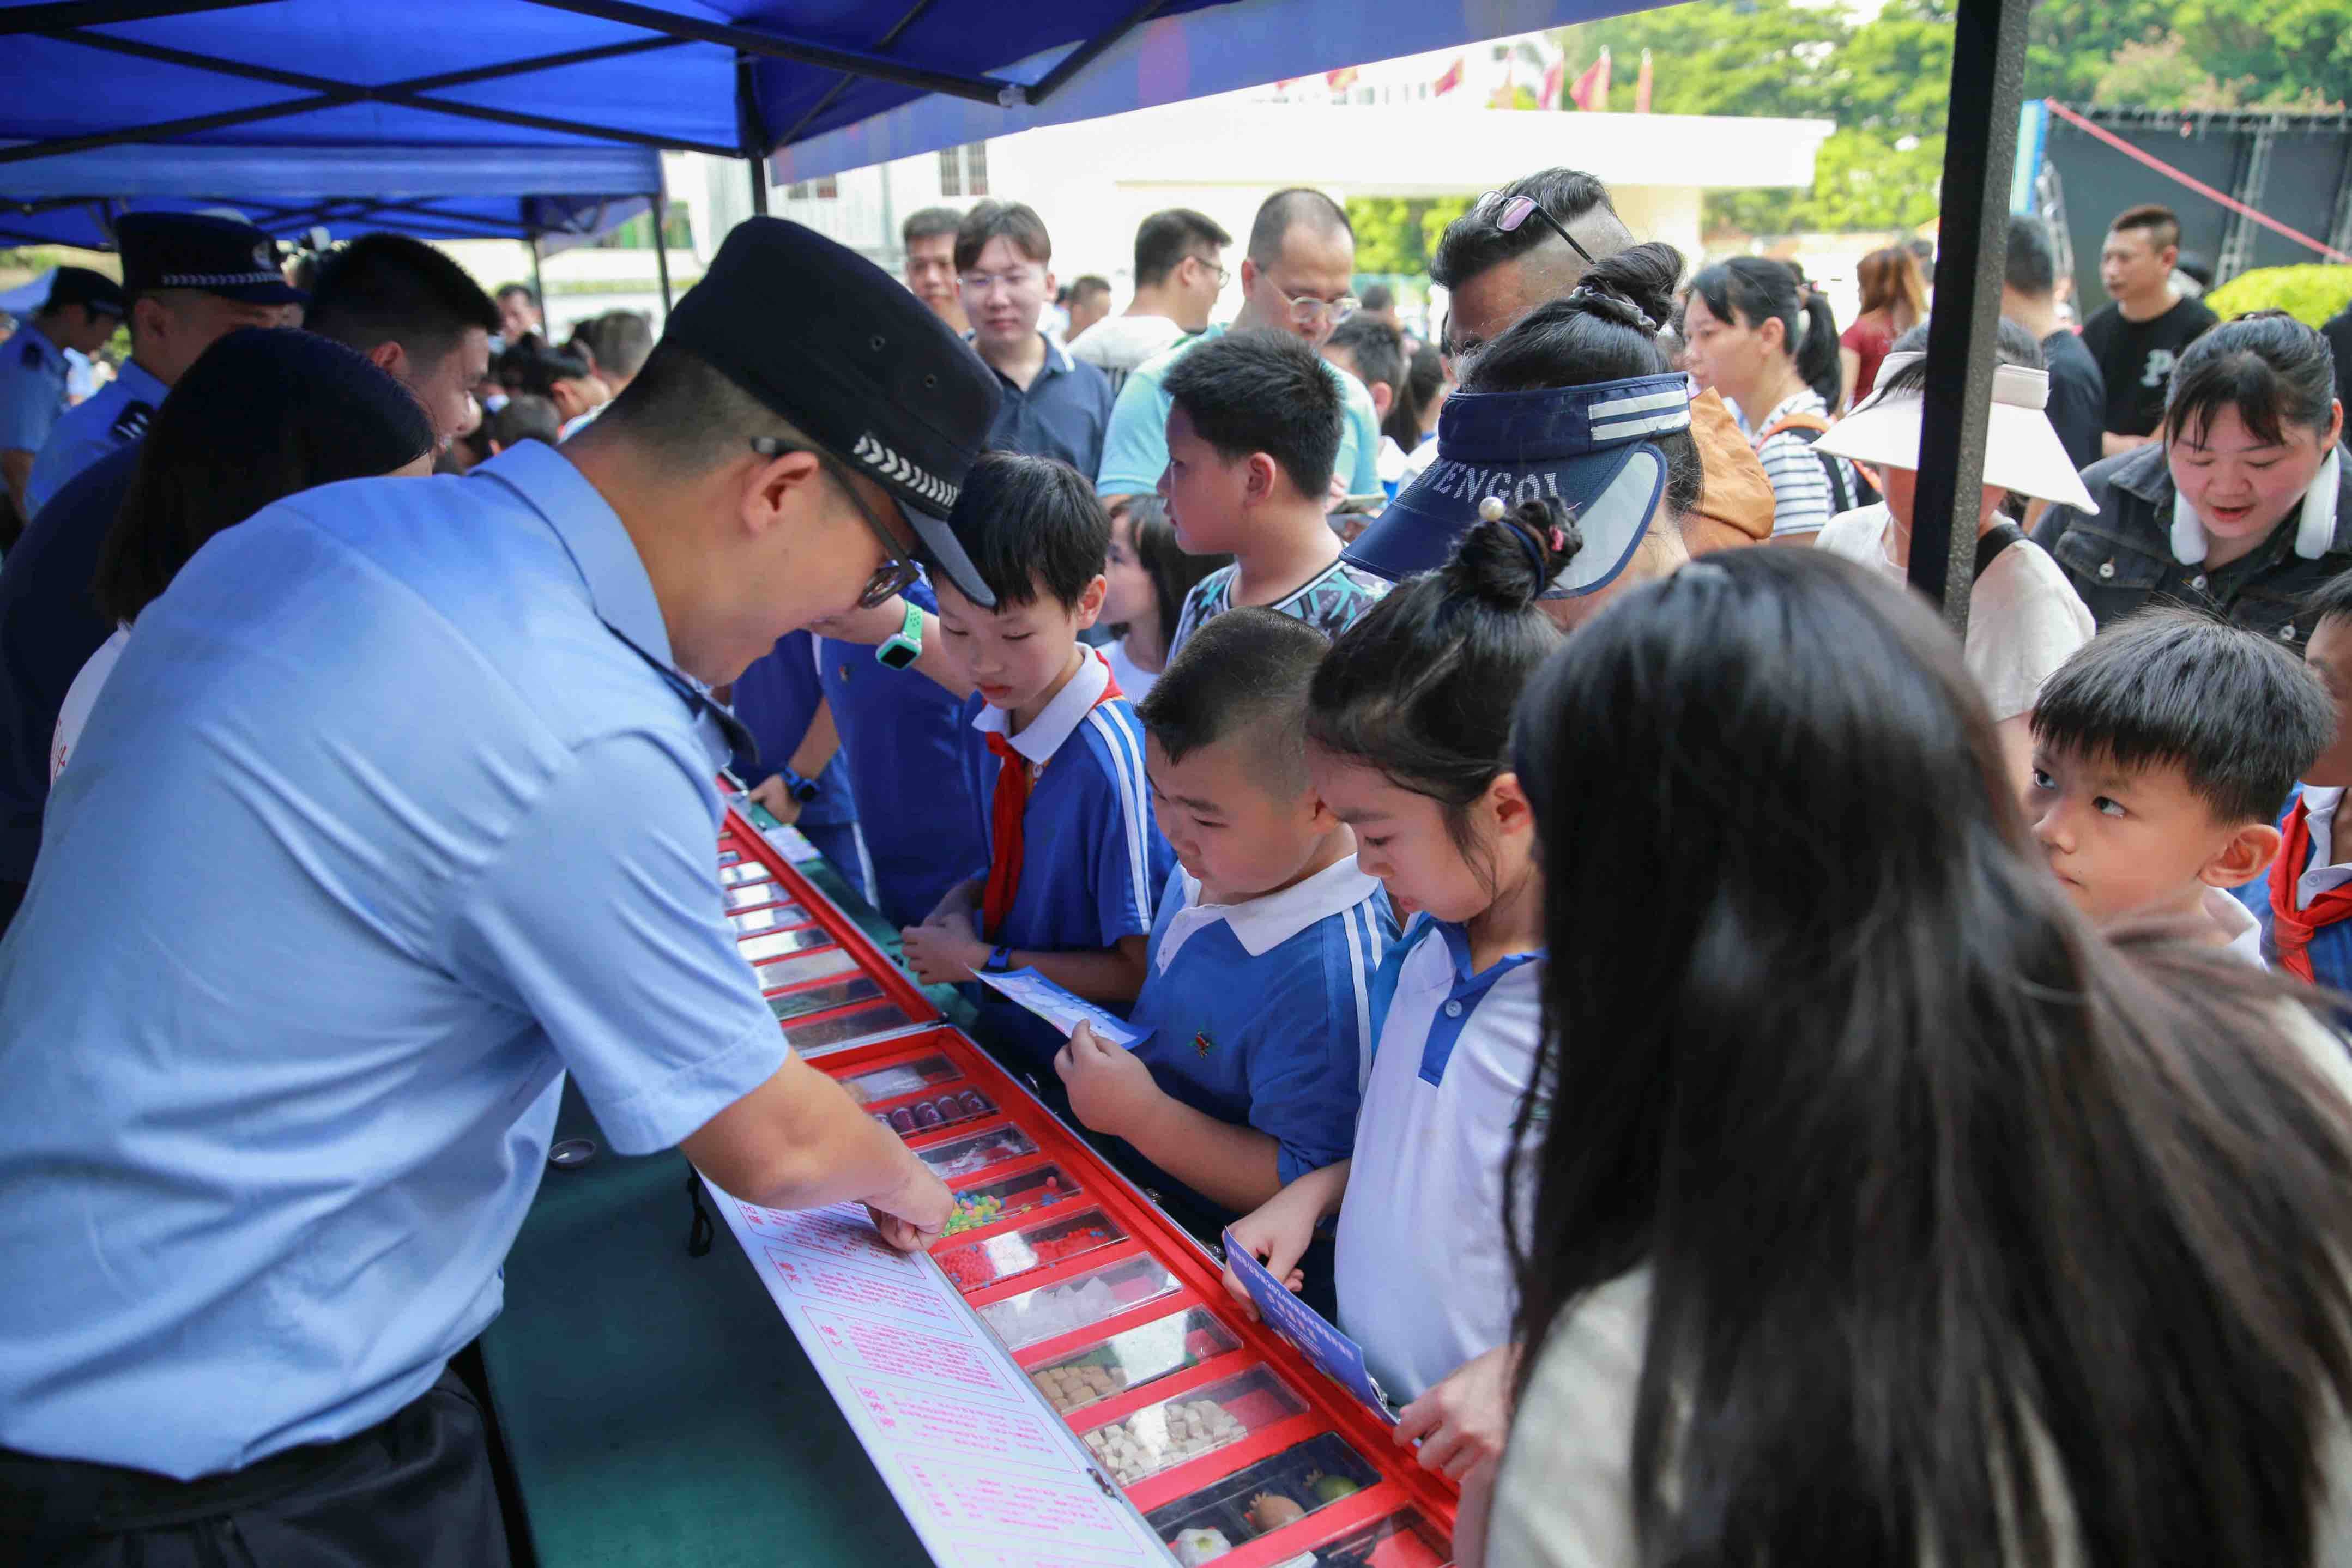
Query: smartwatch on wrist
<point x="798" y="788"/>
<point x="1000" y="961"/>
<point x="904" y="645"/>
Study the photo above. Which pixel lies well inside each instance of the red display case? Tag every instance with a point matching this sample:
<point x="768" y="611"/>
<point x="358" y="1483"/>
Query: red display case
<point x="1229" y="1443"/>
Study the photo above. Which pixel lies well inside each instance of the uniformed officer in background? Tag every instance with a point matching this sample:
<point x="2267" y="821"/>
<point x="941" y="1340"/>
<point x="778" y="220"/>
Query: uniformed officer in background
<point x="400" y="803"/>
<point x="191" y="278"/>
<point x="83" y="309"/>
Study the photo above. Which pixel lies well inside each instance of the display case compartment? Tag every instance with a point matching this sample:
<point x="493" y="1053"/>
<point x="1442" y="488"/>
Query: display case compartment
<point x="972" y="1153"/>
<point x="1265" y="1495"/>
<point x="832" y="1031"/>
<point x="988" y="1203"/>
<point x="930" y="1113"/>
<point x="805" y="967"/>
<point x="776" y="917"/>
<point x="1131" y="1359"/>
<point x="746" y="896"/>
<point x="977" y="1265"/>
<point x="1192" y="1424"/>
<point x="739" y="872"/>
<point x="774" y="944"/>
<point x="1081" y="1301"/>
<point x="790" y="1005"/>
<point x="1403" y="1540"/>
<point x="925" y="1074"/>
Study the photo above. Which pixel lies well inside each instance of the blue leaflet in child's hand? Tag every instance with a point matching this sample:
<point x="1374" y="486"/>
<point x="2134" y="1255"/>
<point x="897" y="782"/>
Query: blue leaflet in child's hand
<point x="1338" y="1357"/>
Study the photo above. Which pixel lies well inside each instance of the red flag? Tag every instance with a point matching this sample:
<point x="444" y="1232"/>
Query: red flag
<point x="1592" y="89"/>
<point x="1341" y="79"/>
<point x="1451" y="80"/>
<point x="1642" y="87"/>
<point x="1554" y="75"/>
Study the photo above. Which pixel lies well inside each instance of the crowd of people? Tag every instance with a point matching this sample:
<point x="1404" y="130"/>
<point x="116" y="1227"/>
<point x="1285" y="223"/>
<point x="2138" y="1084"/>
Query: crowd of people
<point x="1716" y="1042"/>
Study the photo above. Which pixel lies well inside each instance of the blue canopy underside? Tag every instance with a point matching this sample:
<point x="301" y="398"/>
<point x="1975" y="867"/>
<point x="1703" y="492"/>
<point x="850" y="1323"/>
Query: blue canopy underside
<point x="545" y="139"/>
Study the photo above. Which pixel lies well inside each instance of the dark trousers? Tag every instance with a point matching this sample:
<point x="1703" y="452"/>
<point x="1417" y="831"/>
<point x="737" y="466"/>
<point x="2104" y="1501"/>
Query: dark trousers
<point x="413" y="1491"/>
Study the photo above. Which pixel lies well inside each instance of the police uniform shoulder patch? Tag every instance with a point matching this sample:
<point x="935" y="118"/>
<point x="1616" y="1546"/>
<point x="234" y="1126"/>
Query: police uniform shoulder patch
<point x="131" y="424"/>
<point x="31" y="358"/>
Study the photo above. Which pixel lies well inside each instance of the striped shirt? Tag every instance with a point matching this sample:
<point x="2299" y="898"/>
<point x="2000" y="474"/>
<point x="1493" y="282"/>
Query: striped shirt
<point x="1802" y="501"/>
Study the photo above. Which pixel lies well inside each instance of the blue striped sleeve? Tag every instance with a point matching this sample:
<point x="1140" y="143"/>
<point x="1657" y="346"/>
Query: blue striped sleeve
<point x="1131" y="859"/>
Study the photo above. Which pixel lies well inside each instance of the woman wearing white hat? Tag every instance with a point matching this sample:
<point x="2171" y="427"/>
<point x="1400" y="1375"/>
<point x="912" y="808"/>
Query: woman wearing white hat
<point x="2024" y="618"/>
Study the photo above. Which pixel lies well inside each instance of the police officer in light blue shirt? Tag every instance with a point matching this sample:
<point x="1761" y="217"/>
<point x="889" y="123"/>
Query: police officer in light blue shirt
<point x="400" y="803"/>
<point x="191" y="279"/>
<point x="81" y="312"/>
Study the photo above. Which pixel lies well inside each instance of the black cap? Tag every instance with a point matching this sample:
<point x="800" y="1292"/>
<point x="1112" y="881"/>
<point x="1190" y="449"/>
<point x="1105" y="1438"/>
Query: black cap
<point x="842" y="350"/>
<point x="196" y="250"/>
<point x="92" y="290"/>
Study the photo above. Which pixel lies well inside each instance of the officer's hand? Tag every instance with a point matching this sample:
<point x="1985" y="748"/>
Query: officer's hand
<point x="911" y="1215"/>
<point x="778" y="798"/>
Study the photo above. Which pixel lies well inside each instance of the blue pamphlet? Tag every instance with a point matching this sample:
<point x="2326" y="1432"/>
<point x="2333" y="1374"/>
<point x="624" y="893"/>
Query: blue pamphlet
<point x="1340" y="1358"/>
<point x="1060" y="1008"/>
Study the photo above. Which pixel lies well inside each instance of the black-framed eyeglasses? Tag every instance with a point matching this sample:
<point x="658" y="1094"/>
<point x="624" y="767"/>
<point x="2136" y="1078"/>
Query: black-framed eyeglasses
<point x="1509" y="212"/>
<point x="1223" y="277"/>
<point x="899" y="570"/>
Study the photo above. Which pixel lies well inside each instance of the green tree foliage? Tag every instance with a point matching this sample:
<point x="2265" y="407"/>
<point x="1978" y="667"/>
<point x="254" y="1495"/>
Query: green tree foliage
<point x="1395" y="235"/>
<point x="2312" y="295"/>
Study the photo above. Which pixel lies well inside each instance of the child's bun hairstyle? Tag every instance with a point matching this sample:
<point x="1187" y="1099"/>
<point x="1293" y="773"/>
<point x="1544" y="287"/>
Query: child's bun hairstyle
<point x="1422" y="686"/>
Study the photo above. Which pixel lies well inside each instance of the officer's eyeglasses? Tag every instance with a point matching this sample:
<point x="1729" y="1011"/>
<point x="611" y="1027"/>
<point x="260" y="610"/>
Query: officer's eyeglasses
<point x="1508" y="213"/>
<point x="898" y="572"/>
<point x="1307" y="311"/>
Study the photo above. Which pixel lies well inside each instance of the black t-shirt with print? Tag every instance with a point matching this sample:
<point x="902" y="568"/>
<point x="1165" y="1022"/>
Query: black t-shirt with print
<point x="2136" y="360"/>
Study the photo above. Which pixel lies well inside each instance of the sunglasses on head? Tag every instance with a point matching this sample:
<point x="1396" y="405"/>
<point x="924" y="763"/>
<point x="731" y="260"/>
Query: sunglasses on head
<point x="1508" y="213"/>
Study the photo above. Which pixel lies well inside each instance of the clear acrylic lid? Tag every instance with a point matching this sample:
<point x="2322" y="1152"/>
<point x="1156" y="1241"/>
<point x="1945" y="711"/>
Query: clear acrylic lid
<point x="779" y="944"/>
<point x="979" y="1264"/>
<point x="929" y="1113"/>
<point x="1141" y="1355"/>
<point x="752" y="895"/>
<point x="1051" y="1310"/>
<point x="1183" y="1426"/>
<point x="787" y="1005"/>
<point x="821" y="964"/>
<point x="1265" y="1496"/>
<point x="847" y="1029"/>
<point x="971" y="1156"/>
<point x="901" y="1078"/>
<point x="989" y="1202"/>
<point x="759" y="920"/>
<point x="1401" y="1540"/>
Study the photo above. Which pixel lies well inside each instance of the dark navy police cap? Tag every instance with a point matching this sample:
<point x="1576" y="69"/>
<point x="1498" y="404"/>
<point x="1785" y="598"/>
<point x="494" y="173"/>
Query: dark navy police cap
<point x="199" y="251"/>
<point x="1588" y="448"/>
<point x="91" y="290"/>
<point x="838" y="347"/>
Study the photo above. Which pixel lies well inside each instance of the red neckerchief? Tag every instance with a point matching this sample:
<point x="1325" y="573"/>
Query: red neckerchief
<point x="2292" y="929"/>
<point x="1005" y="815"/>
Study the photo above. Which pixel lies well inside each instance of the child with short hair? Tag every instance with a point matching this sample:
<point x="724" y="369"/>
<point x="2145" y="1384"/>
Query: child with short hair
<point x="1257" y="993"/>
<point x="1409" y="737"/>
<point x="1254" y="424"/>
<point x="2308" y="909"/>
<point x="1075" y="865"/>
<point x="2161" y="751"/>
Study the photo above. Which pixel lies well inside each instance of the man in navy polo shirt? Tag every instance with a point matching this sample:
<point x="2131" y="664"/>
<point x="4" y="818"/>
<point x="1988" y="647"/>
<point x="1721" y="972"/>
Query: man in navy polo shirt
<point x="1054" y="406"/>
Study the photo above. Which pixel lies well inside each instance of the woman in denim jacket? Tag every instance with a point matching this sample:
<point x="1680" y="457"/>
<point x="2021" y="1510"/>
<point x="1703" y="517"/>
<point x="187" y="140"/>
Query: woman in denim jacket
<point x="2243" y="504"/>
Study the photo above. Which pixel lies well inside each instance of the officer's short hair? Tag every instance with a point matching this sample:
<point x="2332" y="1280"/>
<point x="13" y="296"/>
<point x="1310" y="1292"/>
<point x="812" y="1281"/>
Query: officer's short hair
<point x="689" y="415"/>
<point x="389" y="289"/>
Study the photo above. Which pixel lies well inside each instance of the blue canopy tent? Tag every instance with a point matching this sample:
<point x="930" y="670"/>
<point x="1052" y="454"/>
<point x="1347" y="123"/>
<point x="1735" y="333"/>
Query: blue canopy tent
<point x="838" y="83"/>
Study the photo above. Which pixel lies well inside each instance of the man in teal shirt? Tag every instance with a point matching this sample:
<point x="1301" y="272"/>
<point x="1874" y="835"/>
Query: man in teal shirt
<point x="1302" y="254"/>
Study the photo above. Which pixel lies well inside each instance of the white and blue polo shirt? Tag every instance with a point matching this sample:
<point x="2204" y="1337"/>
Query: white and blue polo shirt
<point x="1261" y="1012"/>
<point x="1092" y="860"/>
<point x="1424" y="1279"/>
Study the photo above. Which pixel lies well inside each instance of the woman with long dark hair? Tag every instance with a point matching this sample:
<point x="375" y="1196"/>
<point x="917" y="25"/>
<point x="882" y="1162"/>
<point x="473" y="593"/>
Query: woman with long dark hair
<point x="1884" y="1213"/>
<point x="1767" y="341"/>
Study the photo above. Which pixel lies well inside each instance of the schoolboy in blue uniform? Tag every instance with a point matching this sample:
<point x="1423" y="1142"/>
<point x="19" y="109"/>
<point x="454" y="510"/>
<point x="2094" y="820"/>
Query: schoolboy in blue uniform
<point x="2306" y="905"/>
<point x="779" y="699"/>
<point x="1075" y="863"/>
<point x="1258" y="989"/>
<point x="903" y="738"/>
